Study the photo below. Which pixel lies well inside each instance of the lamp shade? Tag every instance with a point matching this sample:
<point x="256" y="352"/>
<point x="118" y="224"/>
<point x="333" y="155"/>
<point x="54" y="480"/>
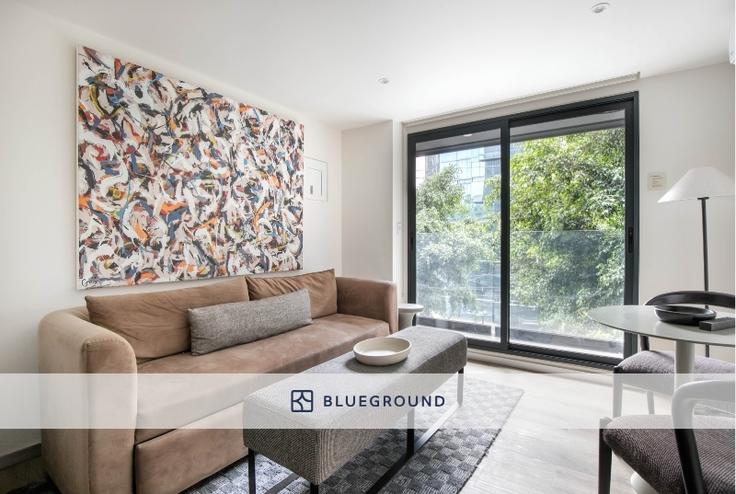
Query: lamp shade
<point x="704" y="181"/>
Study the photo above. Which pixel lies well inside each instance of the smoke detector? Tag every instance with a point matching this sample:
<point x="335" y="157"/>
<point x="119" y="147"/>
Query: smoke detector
<point x="600" y="7"/>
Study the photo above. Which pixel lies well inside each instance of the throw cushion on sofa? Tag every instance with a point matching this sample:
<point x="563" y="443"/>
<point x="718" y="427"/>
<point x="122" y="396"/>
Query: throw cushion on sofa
<point x="156" y="324"/>
<point x="226" y="325"/>
<point x="321" y="285"/>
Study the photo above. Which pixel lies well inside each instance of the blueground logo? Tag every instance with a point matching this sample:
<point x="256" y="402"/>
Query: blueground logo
<point x="302" y="400"/>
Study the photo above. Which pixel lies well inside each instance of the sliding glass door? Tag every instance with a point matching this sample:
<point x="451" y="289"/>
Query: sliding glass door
<point x="567" y="235"/>
<point x="519" y="225"/>
<point x="458" y="232"/>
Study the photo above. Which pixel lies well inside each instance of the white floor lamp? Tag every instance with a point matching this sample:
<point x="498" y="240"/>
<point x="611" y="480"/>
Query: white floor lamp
<point x="702" y="184"/>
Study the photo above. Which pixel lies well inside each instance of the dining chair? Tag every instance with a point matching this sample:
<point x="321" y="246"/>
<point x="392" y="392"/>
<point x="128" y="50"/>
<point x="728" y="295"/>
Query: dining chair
<point x="647" y="361"/>
<point x="678" y="453"/>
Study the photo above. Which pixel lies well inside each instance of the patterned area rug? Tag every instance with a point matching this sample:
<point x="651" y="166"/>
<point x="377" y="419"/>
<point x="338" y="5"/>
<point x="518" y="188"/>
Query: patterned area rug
<point x="443" y="465"/>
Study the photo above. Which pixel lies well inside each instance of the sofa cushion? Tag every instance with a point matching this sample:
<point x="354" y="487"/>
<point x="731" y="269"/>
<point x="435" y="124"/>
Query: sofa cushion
<point x="156" y="324"/>
<point x="321" y="285"/>
<point x="291" y="352"/>
<point x="172" y="462"/>
<point x="220" y="326"/>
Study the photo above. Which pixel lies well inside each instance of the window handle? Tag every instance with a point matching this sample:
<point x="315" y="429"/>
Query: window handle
<point x="630" y="239"/>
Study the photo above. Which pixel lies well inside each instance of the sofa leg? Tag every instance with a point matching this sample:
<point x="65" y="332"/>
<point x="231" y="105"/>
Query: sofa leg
<point x="604" y="462"/>
<point x="313" y="488"/>
<point x="251" y="472"/>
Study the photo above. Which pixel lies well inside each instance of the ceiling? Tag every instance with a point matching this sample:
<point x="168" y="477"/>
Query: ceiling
<point x="323" y="58"/>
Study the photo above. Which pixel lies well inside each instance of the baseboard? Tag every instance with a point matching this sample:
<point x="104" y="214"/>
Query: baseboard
<point x="527" y="363"/>
<point x="21" y="455"/>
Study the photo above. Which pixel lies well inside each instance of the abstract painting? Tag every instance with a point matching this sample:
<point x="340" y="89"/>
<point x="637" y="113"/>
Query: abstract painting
<point x="179" y="183"/>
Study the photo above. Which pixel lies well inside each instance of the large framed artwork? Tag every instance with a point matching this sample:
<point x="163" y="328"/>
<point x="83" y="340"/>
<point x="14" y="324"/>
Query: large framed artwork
<point x="179" y="183"/>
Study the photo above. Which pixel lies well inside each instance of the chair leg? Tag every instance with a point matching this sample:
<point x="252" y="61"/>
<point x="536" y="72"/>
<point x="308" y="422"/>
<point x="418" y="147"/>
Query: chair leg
<point x="650" y="402"/>
<point x="251" y="472"/>
<point x="618" y="394"/>
<point x="604" y="462"/>
<point x="313" y="488"/>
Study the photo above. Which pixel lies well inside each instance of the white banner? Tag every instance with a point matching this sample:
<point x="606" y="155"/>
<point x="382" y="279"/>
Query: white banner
<point x="339" y="401"/>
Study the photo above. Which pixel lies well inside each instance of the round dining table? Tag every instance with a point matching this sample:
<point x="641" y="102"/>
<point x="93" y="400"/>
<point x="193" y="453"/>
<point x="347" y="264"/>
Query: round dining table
<point x="641" y="320"/>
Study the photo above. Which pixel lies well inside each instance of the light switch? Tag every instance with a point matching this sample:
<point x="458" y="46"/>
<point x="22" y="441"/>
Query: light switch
<point x="656" y="181"/>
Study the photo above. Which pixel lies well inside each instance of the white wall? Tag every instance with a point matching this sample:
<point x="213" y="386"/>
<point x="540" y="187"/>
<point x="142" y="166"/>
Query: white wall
<point x="37" y="159"/>
<point x="368" y="201"/>
<point x="686" y="119"/>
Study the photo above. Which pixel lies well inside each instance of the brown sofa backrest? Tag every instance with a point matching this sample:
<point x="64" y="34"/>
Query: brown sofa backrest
<point x="321" y="285"/>
<point x="156" y="324"/>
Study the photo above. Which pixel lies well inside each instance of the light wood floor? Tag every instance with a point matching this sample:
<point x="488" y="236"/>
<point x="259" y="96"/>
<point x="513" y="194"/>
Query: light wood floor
<point x="525" y="458"/>
<point x="531" y="458"/>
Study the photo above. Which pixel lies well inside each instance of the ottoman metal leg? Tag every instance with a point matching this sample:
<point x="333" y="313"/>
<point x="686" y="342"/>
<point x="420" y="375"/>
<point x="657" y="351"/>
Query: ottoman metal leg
<point x="275" y="489"/>
<point x="413" y="444"/>
<point x="410" y="433"/>
<point x="441" y="421"/>
<point x="251" y="472"/>
<point x="292" y="477"/>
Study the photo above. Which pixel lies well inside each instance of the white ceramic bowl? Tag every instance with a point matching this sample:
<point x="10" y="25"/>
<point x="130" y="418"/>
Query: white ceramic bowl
<point x="382" y="350"/>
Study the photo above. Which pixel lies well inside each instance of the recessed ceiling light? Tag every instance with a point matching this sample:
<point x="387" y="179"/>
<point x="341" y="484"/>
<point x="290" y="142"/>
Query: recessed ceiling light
<point x="600" y="7"/>
<point x="383" y="80"/>
<point x="467" y="135"/>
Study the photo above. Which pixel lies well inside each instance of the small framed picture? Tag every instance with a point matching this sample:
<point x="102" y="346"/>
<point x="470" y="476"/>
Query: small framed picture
<point x="315" y="179"/>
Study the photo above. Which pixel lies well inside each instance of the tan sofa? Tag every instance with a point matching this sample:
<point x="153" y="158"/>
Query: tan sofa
<point x="166" y="461"/>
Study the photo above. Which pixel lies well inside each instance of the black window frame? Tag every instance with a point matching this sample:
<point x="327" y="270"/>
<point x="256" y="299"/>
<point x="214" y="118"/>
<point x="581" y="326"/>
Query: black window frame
<point x="629" y="102"/>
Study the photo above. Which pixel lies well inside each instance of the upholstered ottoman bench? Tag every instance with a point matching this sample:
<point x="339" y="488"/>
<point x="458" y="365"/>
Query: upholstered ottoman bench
<point x="315" y="445"/>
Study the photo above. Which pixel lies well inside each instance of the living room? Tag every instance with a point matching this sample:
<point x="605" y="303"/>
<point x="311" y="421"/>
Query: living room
<point x="533" y="200"/>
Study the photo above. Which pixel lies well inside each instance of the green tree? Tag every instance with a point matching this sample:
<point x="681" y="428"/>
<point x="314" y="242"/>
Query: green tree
<point x="567" y="221"/>
<point x="450" y="245"/>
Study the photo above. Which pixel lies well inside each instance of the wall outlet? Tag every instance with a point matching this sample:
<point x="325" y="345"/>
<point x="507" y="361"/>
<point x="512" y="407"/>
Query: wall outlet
<point x="656" y="181"/>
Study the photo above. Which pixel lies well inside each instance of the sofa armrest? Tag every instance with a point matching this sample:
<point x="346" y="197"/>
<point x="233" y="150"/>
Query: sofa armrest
<point x="68" y="342"/>
<point x="368" y="298"/>
<point x="87" y="461"/>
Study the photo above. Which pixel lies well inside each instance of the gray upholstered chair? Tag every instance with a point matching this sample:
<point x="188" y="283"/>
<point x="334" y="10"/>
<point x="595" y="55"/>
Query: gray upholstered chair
<point x="671" y="453"/>
<point x="648" y="361"/>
